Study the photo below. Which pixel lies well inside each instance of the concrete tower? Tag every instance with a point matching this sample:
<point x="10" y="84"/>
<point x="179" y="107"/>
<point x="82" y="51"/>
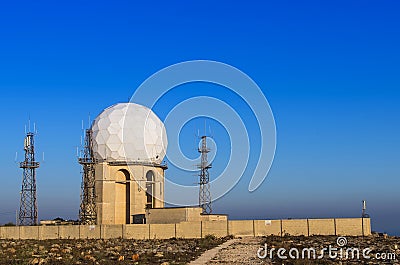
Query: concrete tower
<point x="129" y="144"/>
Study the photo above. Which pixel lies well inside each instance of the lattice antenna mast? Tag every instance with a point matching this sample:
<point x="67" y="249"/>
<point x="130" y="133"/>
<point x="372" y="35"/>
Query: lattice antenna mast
<point x="87" y="211"/>
<point x="28" y="211"/>
<point x="204" y="191"/>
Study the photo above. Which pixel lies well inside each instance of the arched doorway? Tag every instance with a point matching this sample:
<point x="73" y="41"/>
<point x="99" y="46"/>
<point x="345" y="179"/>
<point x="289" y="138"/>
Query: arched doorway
<point x="122" y="197"/>
<point x="150" y="180"/>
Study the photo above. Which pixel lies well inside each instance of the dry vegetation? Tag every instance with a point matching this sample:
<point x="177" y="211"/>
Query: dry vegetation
<point x="244" y="251"/>
<point x="111" y="251"/>
<point x="377" y="244"/>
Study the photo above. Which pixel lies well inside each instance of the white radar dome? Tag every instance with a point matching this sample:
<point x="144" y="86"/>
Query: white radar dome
<point x="129" y="132"/>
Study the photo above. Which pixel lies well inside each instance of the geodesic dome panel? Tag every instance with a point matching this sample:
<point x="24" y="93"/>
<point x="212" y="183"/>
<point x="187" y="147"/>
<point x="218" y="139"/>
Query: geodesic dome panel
<point x="129" y="132"/>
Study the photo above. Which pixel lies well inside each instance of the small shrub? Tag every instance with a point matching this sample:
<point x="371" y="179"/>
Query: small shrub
<point x="210" y="237"/>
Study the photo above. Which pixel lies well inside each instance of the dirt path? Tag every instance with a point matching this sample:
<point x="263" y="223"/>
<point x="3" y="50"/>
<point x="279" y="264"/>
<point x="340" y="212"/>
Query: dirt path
<point x="209" y="254"/>
<point x="234" y="251"/>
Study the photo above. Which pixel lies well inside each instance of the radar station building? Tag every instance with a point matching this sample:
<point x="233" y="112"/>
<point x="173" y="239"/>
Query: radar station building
<point x="129" y="144"/>
<point x="123" y="170"/>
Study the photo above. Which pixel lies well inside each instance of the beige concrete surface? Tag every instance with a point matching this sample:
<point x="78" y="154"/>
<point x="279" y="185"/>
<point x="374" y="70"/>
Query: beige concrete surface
<point x="366" y="223"/>
<point x="121" y="191"/>
<point x="216" y="228"/>
<point x="175" y="215"/>
<point x="140" y="231"/>
<point x="295" y="227"/>
<point x="9" y="232"/>
<point x="162" y="231"/>
<point x="89" y="231"/>
<point x="188" y="230"/>
<point x="69" y="231"/>
<point x="349" y="227"/>
<point x="111" y="231"/>
<point x="267" y="227"/>
<point x="50" y="232"/>
<point x="250" y="228"/>
<point x="322" y="227"/>
<point x="241" y="228"/>
<point x="29" y="232"/>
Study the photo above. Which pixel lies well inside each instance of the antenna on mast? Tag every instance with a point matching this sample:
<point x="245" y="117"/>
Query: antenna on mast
<point x="28" y="212"/>
<point x="87" y="211"/>
<point x="205" y="126"/>
<point x="204" y="189"/>
<point x="364" y="210"/>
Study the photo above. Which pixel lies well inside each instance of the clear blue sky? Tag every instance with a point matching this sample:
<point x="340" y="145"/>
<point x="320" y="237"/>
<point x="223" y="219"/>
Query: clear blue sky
<point x="330" y="71"/>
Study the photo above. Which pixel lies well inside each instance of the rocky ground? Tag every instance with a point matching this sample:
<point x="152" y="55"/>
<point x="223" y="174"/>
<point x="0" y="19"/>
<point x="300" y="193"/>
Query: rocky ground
<point x="384" y="250"/>
<point x="183" y="251"/>
<point x="111" y="251"/>
<point x="243" y="251"/>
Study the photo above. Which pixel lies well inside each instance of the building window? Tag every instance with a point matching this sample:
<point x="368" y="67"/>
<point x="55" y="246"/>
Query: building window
<point x="150" y="189"/>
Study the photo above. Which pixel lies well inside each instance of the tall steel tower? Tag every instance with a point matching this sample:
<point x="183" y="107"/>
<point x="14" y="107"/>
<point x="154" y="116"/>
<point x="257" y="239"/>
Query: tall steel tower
<point x="204" y="192"/>
<point x="28" y="213"/>
<point x="87" y="211"/>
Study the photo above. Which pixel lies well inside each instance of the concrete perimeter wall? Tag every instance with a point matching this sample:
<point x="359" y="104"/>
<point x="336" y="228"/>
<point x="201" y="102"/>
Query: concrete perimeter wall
<point x="199" y="229"/>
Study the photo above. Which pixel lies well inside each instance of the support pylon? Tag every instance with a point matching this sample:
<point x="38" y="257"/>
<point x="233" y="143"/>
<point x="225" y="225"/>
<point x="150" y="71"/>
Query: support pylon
<point x="87" y="211"/>
<point x="28" y="210"/>
<point x="204" y="191"/>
